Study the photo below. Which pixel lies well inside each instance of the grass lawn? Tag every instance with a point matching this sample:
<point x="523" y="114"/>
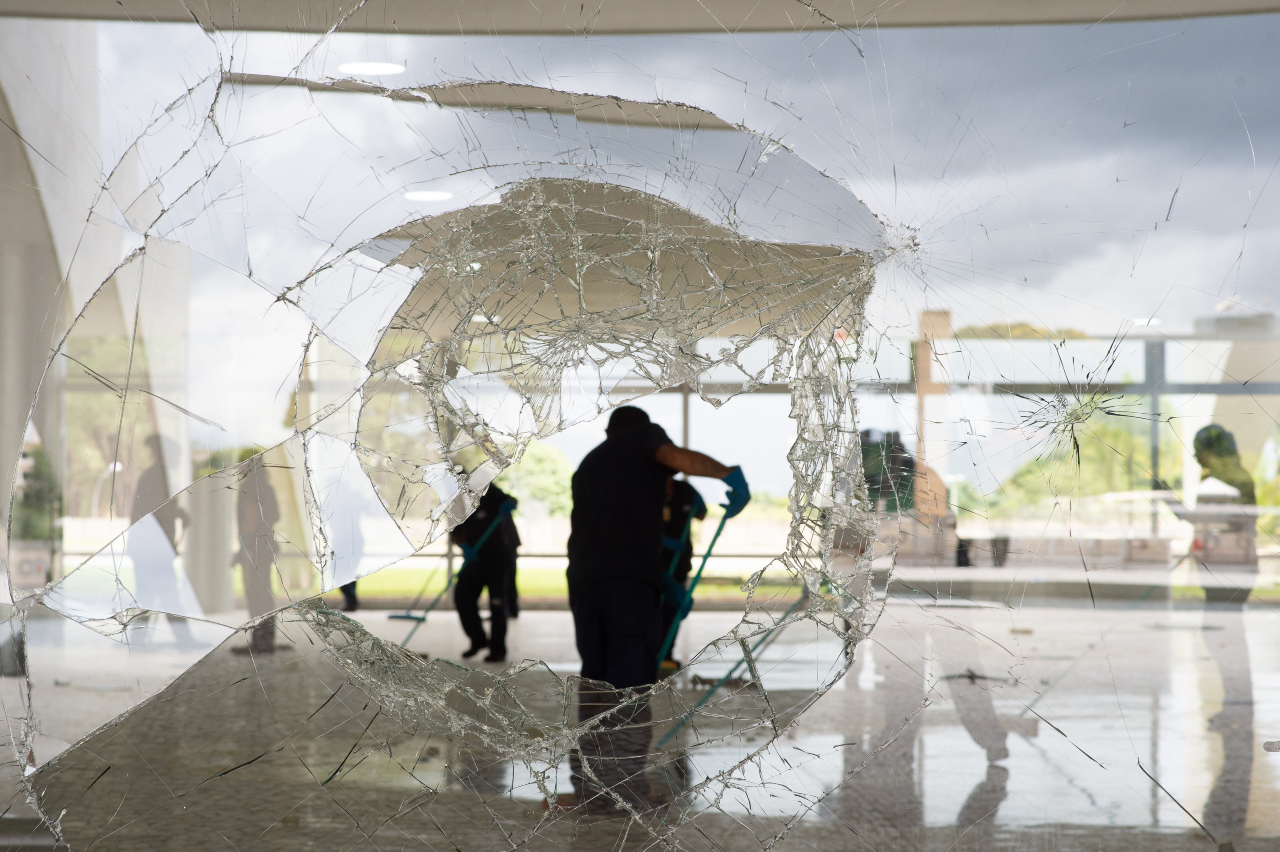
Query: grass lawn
<point x="409" y="582"/>
<point x="539" y="583"/>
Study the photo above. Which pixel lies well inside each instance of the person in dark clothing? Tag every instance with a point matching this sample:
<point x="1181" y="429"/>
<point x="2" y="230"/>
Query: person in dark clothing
<point x="488" y="564"/>
<point x="615" y="582"/>
<point x="683" y="502"/>
<point x="890" y="471"/>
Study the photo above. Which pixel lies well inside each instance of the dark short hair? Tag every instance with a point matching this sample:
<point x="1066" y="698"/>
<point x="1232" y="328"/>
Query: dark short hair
<point x="625" y="417"/>
<point x="1215" y="440"/>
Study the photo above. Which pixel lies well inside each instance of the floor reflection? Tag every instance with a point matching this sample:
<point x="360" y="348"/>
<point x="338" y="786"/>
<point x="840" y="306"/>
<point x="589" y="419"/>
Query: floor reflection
<point x="1227" y="807"/>
<point x="956" y="727"/>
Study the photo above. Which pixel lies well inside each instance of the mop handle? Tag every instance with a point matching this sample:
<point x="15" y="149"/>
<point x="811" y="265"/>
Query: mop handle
<point x="684" y="536"/>
<point x="675" y="625"/>
<point x="506" y="509"/>
<point x="769" y="635"/>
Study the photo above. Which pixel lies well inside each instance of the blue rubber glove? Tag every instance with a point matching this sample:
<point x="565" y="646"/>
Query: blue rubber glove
<point x="676" y="594"/>
<point x="739" y="494"/>
<point x="468" y="553"/>
<point x="507" y="507"/>
<point x="672" y="544"/>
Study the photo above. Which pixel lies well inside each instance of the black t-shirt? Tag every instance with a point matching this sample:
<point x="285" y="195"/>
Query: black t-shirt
<point x="675" y="513"/>
<point x="499" y="550"/>
<point x="616" y="525"/>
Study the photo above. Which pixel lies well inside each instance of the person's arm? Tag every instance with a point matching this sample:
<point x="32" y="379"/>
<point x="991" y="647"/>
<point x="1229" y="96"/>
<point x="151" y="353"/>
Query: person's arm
<point x="690" y="462"/>
<point x="694" y="463"/>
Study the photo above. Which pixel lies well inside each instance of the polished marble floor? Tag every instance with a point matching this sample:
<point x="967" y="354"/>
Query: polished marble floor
<point x="1067" y="726"/>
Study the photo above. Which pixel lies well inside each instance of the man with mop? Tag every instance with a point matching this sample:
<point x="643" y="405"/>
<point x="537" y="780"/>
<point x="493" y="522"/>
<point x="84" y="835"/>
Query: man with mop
<point x="488" y="539"/>
<point x="615" y="593"/>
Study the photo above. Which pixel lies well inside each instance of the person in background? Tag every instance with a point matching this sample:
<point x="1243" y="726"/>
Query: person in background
<point x="1231" y="556"/>
<point x="683" y="502"/>
<point x="257" y="513"/>
<point x="1225" y="520"/>
<point x="489" y="556"/>
<point x="152" y="493"/>
<point x="1216" y="453"/>
<point x="152" y="543"/>
<point x="615" y="589"/>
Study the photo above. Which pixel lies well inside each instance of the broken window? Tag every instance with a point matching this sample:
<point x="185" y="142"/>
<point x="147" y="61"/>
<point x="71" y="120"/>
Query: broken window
<point x="285" y="303"/>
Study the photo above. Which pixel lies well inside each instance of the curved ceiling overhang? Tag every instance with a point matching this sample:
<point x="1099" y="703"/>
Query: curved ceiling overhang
<point x="554" y="251"/>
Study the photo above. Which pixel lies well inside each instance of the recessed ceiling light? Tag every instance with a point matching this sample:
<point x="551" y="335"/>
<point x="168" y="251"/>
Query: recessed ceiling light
<point x="428" y="195"/>
<point x="376" y="68"/>
<point x="1148" y="321"/>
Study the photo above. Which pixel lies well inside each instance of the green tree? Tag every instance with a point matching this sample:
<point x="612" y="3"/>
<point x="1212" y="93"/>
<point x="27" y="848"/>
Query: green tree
<point x="102" y="428"/>
<point x="40" y="501"/>
<point x="542" y="475"/>
<point x="1267" y="478"/>
<point x="1115" y="455"/>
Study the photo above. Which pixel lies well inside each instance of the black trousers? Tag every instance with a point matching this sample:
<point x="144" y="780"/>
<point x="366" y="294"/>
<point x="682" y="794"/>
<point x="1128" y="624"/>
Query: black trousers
<point x="616" y="626"/>
<point x="472" y="579"/>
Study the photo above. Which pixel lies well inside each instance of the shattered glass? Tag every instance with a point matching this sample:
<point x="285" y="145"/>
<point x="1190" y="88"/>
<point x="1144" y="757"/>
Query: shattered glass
<point x="281" y="305"/>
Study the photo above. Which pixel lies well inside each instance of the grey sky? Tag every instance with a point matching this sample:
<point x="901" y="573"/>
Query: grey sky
<point x="1036" y="165"/>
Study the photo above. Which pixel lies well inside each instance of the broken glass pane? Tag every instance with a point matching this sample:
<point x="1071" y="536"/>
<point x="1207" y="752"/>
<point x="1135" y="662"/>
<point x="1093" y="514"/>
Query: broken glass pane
<point x="980" y="310"/>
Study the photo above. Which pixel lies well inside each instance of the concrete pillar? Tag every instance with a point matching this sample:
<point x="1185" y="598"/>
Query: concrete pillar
<point x="29" y="306"/>
<point x="48" y="104"/>
<point x="934" y="325"/>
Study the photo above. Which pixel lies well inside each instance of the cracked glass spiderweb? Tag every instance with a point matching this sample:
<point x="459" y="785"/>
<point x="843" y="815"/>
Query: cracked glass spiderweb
<point x="303" y="312"/>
